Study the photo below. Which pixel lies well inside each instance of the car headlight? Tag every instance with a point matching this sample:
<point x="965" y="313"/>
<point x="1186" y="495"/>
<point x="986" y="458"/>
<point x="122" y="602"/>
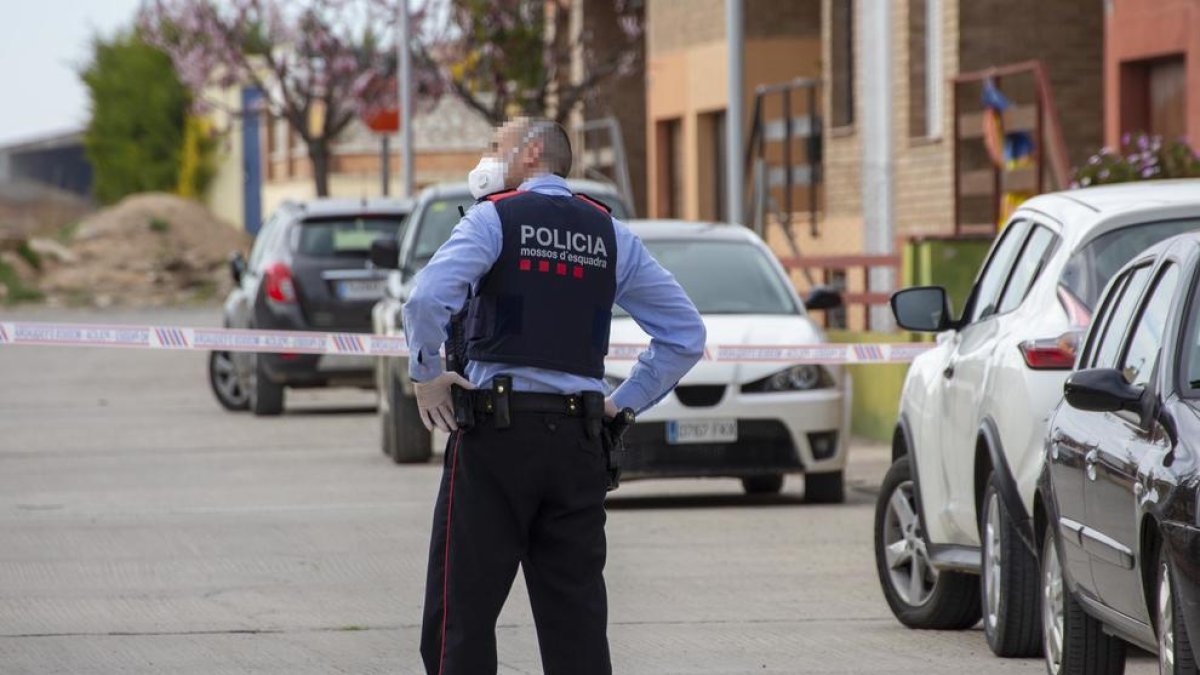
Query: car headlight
<point x="796" y="378"/>
<point x="611" y="382"/>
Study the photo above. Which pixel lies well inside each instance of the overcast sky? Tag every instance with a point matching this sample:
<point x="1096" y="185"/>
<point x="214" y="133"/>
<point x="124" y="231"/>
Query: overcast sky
<point x="43" y="43"/>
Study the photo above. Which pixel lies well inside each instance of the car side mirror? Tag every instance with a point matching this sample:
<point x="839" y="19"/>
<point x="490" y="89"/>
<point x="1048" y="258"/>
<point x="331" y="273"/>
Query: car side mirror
<point x="385" y="253"/>
<point x="925" y="309"/>
<point x="1102" y="390"/>
<point x="237" y="267"/>
<point x="823" y="297"/>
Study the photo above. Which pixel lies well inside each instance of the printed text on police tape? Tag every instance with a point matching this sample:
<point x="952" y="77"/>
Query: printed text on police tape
<point x="18" y="333"/>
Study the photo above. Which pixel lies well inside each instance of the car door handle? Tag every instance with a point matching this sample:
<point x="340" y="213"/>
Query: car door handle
<point x="948" y="372"/>
<point x="1090" y="459"/>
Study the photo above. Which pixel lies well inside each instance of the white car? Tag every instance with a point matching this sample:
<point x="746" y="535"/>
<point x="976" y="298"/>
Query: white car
<point x="968" y="445"/>
<point x="753" y="421"/>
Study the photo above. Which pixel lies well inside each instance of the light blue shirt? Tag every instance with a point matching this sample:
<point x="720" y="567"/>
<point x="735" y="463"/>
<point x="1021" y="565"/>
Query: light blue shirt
<point x="644" y="289"/>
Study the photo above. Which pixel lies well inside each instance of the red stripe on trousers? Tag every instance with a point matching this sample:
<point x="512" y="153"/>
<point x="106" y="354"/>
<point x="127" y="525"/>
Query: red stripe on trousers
<point x="446" y="556"/>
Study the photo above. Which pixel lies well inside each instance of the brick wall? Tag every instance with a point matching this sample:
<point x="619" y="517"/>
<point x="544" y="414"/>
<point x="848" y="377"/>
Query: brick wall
<point x="1066" y="35"/>
<point x="923" y="183"/>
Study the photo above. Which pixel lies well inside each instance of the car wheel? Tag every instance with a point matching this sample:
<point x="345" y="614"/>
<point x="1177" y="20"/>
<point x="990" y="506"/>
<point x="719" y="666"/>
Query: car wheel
<point x="1075" y="643"/>
<point x="225" y="383"/>
<point x="825" y="488"/>
<point x="266" y="397"/>
<point x="762" y="485"/>
<point x="411" y="441"/>
<point x="1010" y="587"/>
<point x="1175" y="655"/>
<point x="919" y="595"/>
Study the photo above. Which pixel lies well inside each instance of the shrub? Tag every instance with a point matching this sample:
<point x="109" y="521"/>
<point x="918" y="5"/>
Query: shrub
<point x="1140" y="157"/>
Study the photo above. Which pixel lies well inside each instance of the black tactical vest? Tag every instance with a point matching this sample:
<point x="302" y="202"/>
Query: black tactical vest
<point x="547" y="301"/>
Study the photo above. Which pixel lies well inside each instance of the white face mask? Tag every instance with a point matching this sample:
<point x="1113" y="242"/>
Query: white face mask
<point x="487" y="177"/>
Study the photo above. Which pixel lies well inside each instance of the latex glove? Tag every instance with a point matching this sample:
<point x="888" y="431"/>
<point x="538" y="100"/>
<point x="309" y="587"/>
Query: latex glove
<point x="610" y="409"/>
<point x="434" y="402"/>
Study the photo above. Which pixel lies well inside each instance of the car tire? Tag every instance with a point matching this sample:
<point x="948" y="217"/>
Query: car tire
<point x="763" y="485"/>
<point x="1011" y="582"/>
<point x="940" y="600"/>
<point x="1175" y="655"/>
<point x="266" y="397"/>
<point x="825" y="488"/>
<point x="1075" y="643"/>
<point x="225" y="383"/>
<point x="411" y="441"/>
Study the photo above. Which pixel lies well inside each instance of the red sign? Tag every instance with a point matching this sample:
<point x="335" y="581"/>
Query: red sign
<point x="383" y="120"/>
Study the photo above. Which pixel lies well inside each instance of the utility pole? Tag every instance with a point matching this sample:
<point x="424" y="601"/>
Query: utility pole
<point x="734" y="180"/>
<point x="404" y="82"/>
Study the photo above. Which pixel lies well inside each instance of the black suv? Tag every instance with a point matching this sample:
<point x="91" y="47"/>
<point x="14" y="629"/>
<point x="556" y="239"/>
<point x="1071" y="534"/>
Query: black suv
<point x="309" y="270"/>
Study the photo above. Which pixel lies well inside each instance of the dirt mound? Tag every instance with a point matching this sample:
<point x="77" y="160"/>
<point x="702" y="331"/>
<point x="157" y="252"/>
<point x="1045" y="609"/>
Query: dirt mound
<point x="148" y="249"/>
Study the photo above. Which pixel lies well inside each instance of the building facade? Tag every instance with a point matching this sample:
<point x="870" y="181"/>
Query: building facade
<point x="1151" y="55"/>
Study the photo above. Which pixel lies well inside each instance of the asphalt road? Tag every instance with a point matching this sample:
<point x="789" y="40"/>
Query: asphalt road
<point x="145" y="530"/>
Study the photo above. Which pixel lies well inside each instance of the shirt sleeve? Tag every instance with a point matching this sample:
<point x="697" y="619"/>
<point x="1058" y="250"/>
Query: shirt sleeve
<point x="441" y="288"/>
<point x="656" y="301"/>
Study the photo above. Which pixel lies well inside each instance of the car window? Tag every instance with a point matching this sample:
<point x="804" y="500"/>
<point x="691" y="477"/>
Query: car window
<point x="1033" y="258"/>
<point x="263" y="241"/>
<point x="724" y="277"/>
<point x="987" y="291"/>
<point x="345" y="236"/>
<point x="439" y="217"/>
<point x="1147" y="339"/>
<point x="1089" y="269"/>
<point x="1109" y="343"/>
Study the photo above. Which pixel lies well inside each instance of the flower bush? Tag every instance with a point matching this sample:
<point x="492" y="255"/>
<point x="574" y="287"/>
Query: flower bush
<point x="1140" y="157"/>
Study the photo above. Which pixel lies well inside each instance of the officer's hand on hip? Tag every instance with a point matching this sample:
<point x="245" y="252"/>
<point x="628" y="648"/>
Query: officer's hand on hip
<point x="435" y="402"/>
<point x="610" y="409"/>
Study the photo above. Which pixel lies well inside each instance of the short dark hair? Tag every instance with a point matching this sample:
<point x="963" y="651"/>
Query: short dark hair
<point x="556" y="145"/>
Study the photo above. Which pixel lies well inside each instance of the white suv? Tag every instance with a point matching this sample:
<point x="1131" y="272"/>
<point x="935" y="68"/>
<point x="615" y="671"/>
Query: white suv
<point x="967" y="448"/>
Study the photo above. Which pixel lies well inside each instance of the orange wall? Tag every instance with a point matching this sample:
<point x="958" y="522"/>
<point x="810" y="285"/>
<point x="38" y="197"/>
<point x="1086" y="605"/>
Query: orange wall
<point x="1147" y="29"/>
<point x="690" y="82"/>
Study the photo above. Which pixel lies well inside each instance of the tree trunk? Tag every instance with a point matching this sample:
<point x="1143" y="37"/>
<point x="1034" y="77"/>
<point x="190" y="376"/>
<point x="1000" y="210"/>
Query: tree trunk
<point x="318" y="154"/>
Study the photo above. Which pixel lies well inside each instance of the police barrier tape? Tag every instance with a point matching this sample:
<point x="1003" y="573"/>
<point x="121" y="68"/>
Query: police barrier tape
<point x="18" y="333"/>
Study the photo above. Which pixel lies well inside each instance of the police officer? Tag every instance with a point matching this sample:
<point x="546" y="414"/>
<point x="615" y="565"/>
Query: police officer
<point x="538" y="269"/>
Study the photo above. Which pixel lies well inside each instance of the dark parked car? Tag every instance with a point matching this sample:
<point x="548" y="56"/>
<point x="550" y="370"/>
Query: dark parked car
<point x="309" y="270"/>
<point x="1117" y="518"/>
<point x="404" y="438"/>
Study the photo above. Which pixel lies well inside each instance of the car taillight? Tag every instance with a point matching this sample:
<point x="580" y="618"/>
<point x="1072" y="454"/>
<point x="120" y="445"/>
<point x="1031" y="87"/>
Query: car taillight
<point x="279" y="283"/>
<point x="1057" y="353"/>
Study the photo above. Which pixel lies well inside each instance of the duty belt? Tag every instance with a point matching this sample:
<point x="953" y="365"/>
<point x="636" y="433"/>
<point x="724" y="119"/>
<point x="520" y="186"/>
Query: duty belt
<point x="500" y="402"/>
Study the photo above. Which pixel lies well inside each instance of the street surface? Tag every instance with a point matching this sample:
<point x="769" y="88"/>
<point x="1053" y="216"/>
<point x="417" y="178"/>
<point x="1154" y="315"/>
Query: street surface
<point x="143" y="529"/>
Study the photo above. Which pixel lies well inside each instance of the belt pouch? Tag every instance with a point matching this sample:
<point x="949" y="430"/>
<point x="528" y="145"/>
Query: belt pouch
<point x="501" y="390"/>
<point x="593" y="413"/>
<point x="464" y="407"/>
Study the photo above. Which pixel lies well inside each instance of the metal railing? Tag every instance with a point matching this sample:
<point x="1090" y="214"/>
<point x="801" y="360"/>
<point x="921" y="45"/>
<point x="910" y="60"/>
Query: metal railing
<point x="774" y="176"/>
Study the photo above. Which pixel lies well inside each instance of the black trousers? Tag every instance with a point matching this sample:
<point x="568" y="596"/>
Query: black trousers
<point x="533" y="495"/>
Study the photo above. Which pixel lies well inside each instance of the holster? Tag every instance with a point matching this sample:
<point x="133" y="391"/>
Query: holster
<point x="612" y="438"/>
<point x="464" y="407"/>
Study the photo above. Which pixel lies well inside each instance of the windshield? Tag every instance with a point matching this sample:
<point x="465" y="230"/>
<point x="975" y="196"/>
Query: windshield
<point x="1090" y="268"/>
<point x="440" y="217"/>
<point x="724" y="277"/>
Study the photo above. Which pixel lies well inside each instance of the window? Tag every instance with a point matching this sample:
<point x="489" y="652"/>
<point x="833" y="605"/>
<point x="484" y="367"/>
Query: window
<point x="841" y="63"/>
<point x="1033" y="258"/>
<point x="1109" y="343"/>
<point x="987" y="290"/>
<point x="264" y="241"/>
<point x="1090" y="268"/>
<point x="344" y="236"/>
<point x="1154" y="96"/>
<point x="670" y="168"/>
<point x="924" y="68"/>
<point x="1147" y="339"/>
<point x="711" y="165"/>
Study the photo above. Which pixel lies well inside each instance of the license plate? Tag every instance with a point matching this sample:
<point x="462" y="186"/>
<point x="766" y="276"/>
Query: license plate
<point x="701" y="431"/>
<point x="360" y="289"/>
